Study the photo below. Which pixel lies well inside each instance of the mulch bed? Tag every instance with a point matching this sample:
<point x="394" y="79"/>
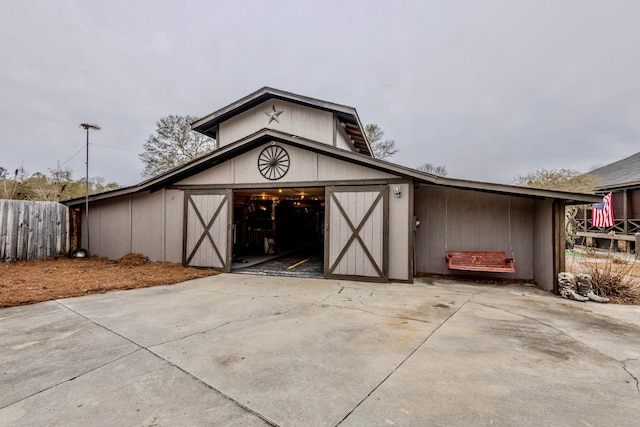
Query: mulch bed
<point x="28" y="282"/>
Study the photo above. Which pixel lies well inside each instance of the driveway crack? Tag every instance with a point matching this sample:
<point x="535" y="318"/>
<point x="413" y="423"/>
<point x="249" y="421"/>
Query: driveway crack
<point x="624" y="366"/>
<point x="99" y="325"/>
<point x="390" y="316"/>
<point x="75" y="377"/>
<point x="560" y="331"/>
<point x="394" y="370"/>
<point x="148" y="349"/>
<point x="240" y="320"/>
<point x="210" y="387"/>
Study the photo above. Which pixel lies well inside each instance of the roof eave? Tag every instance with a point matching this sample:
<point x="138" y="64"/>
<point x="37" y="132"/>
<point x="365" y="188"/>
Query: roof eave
<point x="348" y="116"/>
<point x="208" y="124"/>
<point x="619" y="186"/>
<point x="568" y="197"/>
<point x="105" y="195"/>
<point x="225" y="153"/>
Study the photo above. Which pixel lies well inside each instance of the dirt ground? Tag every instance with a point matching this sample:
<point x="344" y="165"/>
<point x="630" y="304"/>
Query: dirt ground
<point x="28" y="282"/>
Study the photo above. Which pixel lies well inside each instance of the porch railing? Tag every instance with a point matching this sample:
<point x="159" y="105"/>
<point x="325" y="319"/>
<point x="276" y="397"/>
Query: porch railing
<point x="632" y="226"/>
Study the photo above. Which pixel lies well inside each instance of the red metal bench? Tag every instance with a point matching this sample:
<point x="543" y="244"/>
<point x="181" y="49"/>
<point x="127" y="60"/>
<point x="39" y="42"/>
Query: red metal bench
<point x="492" y="262"/>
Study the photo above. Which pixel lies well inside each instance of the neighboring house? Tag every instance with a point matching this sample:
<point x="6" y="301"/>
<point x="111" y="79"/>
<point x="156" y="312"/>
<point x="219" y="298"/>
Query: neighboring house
<point x="622" y="179"/>
<point x="292" y="170"/>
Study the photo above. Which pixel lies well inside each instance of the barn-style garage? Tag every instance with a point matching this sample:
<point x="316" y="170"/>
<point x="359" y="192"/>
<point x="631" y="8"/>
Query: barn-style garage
<point x="293" y="174"/>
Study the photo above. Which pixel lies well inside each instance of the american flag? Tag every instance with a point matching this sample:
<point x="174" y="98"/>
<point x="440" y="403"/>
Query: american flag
<point x="602" y="213"/>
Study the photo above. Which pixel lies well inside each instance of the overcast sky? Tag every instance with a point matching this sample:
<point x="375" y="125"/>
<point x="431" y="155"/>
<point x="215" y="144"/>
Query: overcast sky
<point x="489" y="89"/>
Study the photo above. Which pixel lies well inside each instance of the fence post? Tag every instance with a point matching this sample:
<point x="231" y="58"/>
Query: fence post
<point x="637" y="248"/>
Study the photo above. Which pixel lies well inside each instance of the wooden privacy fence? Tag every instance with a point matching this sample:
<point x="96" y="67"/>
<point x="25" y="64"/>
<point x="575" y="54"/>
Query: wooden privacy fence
<point x="32" y="230"/>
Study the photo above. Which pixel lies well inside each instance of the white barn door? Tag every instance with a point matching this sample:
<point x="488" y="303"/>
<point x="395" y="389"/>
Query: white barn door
<point x="207" y="234"/>
<point x="356" y="233"/>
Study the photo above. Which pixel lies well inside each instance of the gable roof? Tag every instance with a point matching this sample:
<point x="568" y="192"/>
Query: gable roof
<point x="267" y="135"/>
<point x="621" y="173"/>
<point x="347" y="116"/>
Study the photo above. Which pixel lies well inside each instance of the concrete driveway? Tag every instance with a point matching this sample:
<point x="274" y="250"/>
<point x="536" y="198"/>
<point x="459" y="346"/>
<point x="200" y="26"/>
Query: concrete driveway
<point x="254" y="350"/>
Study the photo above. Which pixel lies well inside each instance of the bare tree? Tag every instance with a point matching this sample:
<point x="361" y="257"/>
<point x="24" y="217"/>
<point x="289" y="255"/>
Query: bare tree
<point x="380" y="149"/>
<point x="559" y="179"/>
<point x="17" y="186"/>
<point x="56" y="185"/>
<point x="4" y="175"/>
<point x="173" y="144"/>
<point x="562" y="180"/>
<point x="433" y="169"/>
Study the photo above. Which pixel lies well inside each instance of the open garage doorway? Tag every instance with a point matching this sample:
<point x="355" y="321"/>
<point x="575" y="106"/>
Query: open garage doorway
<point x="279" y="231"/>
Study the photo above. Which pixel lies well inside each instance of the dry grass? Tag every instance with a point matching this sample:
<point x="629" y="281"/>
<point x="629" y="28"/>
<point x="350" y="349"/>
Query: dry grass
<point x="613" y="277"/>
<point x="28" y="282"/>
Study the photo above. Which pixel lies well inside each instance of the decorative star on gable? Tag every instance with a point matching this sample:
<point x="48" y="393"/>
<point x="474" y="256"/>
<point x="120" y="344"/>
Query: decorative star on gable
<point x="273" y="114"/>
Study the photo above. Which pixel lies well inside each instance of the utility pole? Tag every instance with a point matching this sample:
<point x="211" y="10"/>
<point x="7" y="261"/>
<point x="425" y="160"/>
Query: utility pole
<point x="87" y="126"/>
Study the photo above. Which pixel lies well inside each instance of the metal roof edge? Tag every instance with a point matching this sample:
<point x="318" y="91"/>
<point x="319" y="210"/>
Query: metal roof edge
<point x="443" y="181"/>
<point x="223" y="113"/>
<point x="620" y="186"/>
<point x="570" y="197"/>
<point x="231" y="150"/>
<point x="159" y="179"/>
<point x="102" y="196"/>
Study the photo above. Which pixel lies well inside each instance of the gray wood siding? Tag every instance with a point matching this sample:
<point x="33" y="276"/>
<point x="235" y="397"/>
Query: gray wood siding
<point x="295" y="119"/>
<point x="305" y="166"/>
<point x="401" y="233"/>
<point x="146" y="223"/>
<point x="222" y="173"/>
<point x="356" y="232"/>
<point x="207" y="230"/>
<point x="110" y="228"/>
<point x="147" y="231"/>
<point x="302" y="166"/>
<point x="331" y="169"/>
<point x="474" y="221"/>
<point x="174" y="225"/>
<point x="543" y="244"/>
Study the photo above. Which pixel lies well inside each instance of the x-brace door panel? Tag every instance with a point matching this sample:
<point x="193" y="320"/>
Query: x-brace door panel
<point x="356" y="243"/>
<point x="207" y="230"/>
